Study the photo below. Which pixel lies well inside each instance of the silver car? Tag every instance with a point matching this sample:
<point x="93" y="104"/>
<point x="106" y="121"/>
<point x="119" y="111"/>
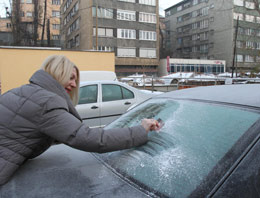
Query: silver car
<point x="101" y="102"/>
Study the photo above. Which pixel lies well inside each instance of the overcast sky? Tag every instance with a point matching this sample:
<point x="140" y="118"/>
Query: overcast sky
<point x="163" y="5"/>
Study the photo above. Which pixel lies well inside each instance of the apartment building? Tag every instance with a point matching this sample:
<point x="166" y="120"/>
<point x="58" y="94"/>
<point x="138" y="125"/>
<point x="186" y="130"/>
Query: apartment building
<point x="5" y="31"/>
<point x="24" y="22"/>
<point x="209" y="29"/>
<point x="129" y="28"/>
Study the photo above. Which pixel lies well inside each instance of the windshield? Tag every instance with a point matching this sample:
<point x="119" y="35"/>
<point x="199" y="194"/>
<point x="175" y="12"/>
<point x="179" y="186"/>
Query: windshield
<point x="195" y="136"/>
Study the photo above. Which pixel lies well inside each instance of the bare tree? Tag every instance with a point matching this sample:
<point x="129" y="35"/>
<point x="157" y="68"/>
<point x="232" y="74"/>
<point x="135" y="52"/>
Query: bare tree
<point x="44" y="19"/>
<point x="25" y="32"/>
<point x="257" y="6"/>
<point x="35" y="22"/>
<point x="48" y="33"/>
<point x="16" y="22"/>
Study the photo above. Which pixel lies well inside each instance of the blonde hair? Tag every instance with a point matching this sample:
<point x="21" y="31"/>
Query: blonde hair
<point x="60" y="68"/>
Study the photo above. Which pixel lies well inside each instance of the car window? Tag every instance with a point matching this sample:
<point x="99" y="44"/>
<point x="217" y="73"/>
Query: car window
<point x="194" y="138"/>
<point x="127" y="94"/>
<point x="88" y="94"/>
<point x="111" y="92"/>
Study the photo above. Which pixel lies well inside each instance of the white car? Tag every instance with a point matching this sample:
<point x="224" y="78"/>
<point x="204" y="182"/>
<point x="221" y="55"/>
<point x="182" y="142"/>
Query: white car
<point x="101" y="102"/>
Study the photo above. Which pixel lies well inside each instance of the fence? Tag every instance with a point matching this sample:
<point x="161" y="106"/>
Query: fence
<point x="165" y="84"/>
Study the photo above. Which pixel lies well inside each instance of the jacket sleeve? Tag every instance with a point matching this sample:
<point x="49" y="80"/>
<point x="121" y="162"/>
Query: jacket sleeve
<point x="62" y="126"/>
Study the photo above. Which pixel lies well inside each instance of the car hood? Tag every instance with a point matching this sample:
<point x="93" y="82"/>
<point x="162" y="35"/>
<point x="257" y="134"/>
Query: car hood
<point x="65" y="172"/>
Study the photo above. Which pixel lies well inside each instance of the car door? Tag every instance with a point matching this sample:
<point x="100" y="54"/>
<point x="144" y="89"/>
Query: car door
<point x="116" y="99"/>
<point x="89" y="105"/>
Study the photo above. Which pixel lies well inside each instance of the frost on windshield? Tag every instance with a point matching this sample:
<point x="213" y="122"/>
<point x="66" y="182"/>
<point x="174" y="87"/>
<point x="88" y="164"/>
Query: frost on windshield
<point x="194" y="138"/>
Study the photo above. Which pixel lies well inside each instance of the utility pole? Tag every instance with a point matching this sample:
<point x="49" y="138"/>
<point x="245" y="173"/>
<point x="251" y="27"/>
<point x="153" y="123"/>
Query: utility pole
<point x="235" y="47"/>
<point x="96" y="27"/>
<point x="44" y="18"/>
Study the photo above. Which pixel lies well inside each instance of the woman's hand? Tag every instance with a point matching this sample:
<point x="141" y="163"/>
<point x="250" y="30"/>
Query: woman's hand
<point x="150" y="124"/>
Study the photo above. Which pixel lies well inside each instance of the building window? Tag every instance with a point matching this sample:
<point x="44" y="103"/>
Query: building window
<point x="194" y="26"/>
<point x="179" y="40"/>
<point x="55" y="2"/>
<point x="249" y="58"/>
<point x="55" y="37"/>
<point x="105" y="48"/>
<point x="132" y="1"/>
<point x="147" y="52"/>
<point x="103" y="12"/>
<point x="106" y="32"/>
<point x="204" y="24"/>
<point x="126" y="52"/>
<point x="257" y="19"/>
<point x="239" y="2"/>
<point x="204" y="36"/>
<point x="8" y="25"/>
<point x="167" y="13"/>
<point x="148" y="2"/>
<point x="68" y="2"/>
<point x="147" y="17"/>
<point x="250" y="5"/>
<point x="77" y="40"/>
<point x="55" y="13"/>
<point x="249" y="31"/>
<point x="240" y="30"/>
<point x="258" y="46"/>
<point x="29" y="14"/>
<point x="195" y="13"/>
<point x="195" y="37"/>
<point x="204" y="48"/>
<point x="28" y="1"/>
<point x="240" y="44"/>
<point x="239" y="58"/>
<point x="56" y="26"/>
<point x="126" y="34"/>
<point x="195" y="49"/>
<point x="74" y="26"/>
<point x="249" y="18"/>
<point x="257" y="32"/>
<point x="195" y="2"/>
<point x="186" y="5"/>
<point x="238" y="16"/>
<point x="147" y="35"/>
<point x="126" y="15"/>
<point x="21" y="14"/>
<point x="179" y="19"/>
<point x="72" y="12"/>
<point x="179" y="8"/>
<point x="250" y="45"/>
<point x="204" y="11"/>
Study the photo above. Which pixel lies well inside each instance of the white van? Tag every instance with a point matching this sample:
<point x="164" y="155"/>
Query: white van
<point x="97" y="75"/>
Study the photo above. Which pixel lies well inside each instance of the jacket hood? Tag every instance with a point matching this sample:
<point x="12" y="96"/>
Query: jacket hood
<point x="46" y="81"/>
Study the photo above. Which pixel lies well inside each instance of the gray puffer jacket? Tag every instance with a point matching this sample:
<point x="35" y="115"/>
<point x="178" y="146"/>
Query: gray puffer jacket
<point x="34" y="115"/>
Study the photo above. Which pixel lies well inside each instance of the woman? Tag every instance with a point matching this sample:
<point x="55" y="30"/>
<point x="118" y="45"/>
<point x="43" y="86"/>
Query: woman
<point x="34" y="115"/>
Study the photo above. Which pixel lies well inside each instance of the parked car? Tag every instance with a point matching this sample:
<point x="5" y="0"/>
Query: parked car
<point x="97" y="75"/>
<point x="209" y="146"/>
<point x="101" y="102"/>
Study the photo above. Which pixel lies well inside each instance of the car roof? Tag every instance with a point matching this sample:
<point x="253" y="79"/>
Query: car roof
<point x="246" y="94"/>
<point x="82" y="83"/>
